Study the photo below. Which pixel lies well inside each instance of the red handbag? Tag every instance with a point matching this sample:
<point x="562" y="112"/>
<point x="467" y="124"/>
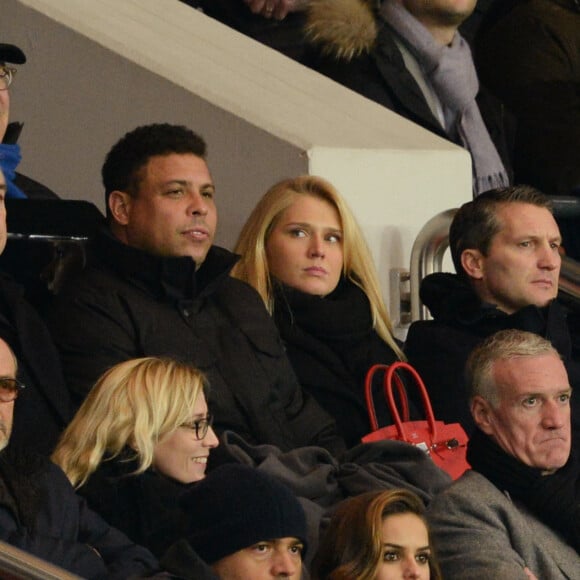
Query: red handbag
<point x="445" y="444"/>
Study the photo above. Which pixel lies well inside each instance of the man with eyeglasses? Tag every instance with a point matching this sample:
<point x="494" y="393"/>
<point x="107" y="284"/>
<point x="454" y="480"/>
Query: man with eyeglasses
<point x="43" y="409"/>
<point x="19" y="186"/>
<point x="41" y="514"/>
<point x="10" y="387"/>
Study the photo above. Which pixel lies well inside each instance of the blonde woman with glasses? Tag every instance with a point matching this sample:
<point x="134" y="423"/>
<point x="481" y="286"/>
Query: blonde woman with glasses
<point x="142" y="436"/>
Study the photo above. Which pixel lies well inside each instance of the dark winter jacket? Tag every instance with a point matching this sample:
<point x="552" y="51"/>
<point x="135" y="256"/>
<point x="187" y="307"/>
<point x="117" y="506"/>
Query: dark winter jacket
<point x="439" y="348"/>
<point x="131" y="304"/>
<point x="41" y="514"/>
<point x="353" y="46"/>
<point x="143" y="506"/>
<point x="331" y="344"/>
<point x="43" y="408"/>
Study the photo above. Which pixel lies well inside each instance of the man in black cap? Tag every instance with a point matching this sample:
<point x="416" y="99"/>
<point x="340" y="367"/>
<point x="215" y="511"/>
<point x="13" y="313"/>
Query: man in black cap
<point x="244" y="524"/>
<point x="19" y="186"/>
<point x="8" y="54"/>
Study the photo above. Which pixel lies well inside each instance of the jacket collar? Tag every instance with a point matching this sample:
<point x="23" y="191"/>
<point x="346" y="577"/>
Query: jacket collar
<point x="344" y="29"/>
<point x="173" y="278"/>
<point x="451" y="300"/>
<point x="347" y="29"/>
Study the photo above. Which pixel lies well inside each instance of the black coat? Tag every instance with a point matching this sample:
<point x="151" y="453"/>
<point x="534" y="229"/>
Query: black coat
<point x="43" y="408"/>
<point x="41" y="514"/>
<point x="439" y="348"/>
<point x="331" y="344"/>
<point x="143" y="506"/>
<point x="132" y="304"/>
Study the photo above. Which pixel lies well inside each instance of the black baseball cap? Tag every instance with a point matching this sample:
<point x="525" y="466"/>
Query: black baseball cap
<point x="12" y="54"/>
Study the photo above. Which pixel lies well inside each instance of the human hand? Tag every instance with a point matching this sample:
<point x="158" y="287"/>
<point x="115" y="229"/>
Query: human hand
<point x="277" y="9"/>
<point x="530" y="574"/>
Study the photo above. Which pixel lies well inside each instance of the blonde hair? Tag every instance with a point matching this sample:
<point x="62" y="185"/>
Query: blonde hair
<point x="358" y="265"/>
<point x="135" y="404"/>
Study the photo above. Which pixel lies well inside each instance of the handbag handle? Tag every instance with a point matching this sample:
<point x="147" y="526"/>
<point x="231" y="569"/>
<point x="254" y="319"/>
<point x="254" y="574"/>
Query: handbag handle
<point x="369" y="394"/>
<point x="424" y="396"/>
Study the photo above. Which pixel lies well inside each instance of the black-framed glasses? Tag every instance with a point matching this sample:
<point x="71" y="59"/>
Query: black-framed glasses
<point x="6" y="76"/>
<point x="9" y="389"/>
<point x="200" y="426"/>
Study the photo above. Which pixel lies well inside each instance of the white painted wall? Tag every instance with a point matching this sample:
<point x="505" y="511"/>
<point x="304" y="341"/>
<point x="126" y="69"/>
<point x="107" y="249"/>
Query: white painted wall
<point x="98" y="68"/>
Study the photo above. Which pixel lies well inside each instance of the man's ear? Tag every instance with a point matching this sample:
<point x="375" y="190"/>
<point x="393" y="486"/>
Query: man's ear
<point x="482" y="411"/>
<point x="472" y="262"/>
<point x="119" y="206"/>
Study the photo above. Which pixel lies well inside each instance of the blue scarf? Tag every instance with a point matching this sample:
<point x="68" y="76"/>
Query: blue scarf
<point x="9" y="160"/>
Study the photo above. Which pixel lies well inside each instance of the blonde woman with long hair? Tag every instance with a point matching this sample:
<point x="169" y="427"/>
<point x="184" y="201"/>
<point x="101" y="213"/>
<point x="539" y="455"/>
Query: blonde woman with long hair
<point x="305" y="254"/>
<point x="140" y="438"/>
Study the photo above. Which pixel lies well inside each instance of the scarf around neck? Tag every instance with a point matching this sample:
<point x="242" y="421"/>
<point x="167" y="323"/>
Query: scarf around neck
<point x="9" y="160"/>
<point x="451" y="72"/>
<point x="554" y="499"/>
<point x="343" y="315"/>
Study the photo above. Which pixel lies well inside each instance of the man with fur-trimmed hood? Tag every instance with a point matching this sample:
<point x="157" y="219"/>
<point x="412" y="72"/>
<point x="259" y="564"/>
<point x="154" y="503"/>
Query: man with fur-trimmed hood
<point x="409" y="56"/>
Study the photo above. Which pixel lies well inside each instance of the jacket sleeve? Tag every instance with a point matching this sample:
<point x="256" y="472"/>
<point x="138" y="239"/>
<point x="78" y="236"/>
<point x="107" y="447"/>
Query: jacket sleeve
<point x="68" y="534"/>
<point x="72" y="556"/>
<point x="122" y="558"/>
<point x="438" y="352"/>
<point x="274" y="406"/>
<point x="93" y="331"/>
<point x="311" y="424"/>
<point x="471" y="539"/>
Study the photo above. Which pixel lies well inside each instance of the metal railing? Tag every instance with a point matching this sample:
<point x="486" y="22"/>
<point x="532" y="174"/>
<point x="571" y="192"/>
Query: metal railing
<point x="17" y="564"/>
<point x="427" y="257"/>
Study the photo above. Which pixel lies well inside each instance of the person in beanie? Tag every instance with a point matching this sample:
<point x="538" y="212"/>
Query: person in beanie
<point x="244" y="524"/>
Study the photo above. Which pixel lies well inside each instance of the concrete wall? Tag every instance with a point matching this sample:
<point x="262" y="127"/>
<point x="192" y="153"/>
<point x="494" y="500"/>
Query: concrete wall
<point x="98" y="68"/>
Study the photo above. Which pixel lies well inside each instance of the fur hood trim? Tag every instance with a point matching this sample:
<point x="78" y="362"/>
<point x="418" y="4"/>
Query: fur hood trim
<point x="342" y="29"/>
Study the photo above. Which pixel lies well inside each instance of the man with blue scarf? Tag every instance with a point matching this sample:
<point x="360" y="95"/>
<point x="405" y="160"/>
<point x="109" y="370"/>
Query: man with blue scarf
<point x="9" y="152"/>
<point x="19" y="186"/>
<point x="43" y="409"/>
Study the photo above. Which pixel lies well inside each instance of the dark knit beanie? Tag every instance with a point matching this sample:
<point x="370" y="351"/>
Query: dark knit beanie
<point x="237" y="506"/>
